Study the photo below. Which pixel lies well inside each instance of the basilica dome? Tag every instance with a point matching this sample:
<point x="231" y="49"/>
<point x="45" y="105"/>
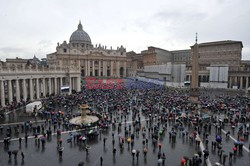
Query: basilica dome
<point x="80" y="36"/>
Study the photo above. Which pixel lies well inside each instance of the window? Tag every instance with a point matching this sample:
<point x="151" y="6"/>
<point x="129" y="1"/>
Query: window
<point x="64" y="50"/>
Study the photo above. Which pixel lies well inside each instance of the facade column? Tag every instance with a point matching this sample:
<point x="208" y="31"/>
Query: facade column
<point x="17" y="91"/>
<point x="236" y="81"/>
<point x="241" y="82"/>
<point x="230" y="82"/>
<point x="78" y="84"/>
<point x="10" y="93"/>
<point x="246" y="82"/>
<point x="70" y="85"/>
<point x="50" y="90"/>
<point x="44" y="88"/>
<point x="99" y="68"/>
<point x="56" y="88"/>
<point x="93" y="68"/>
<point x="111" y="68"/>
<point x="2" y="94"/>
<point x="24" y="90"/>
<point x="37" y="89"/>
<point x="86" y="67"/>
<point x="61" y="83"/>
<point x="118" y="69"/>
<point x="104" y="67"/>
<point x="73" y="83"/>
<point x="125" y="69"/>
<point x="31" y="90"/>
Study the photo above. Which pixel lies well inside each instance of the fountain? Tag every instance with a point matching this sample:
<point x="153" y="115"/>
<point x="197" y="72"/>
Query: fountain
<point x="84" y="119"/>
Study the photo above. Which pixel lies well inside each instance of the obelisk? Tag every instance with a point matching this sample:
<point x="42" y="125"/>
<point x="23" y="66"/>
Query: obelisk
<point x="194" y="91"/>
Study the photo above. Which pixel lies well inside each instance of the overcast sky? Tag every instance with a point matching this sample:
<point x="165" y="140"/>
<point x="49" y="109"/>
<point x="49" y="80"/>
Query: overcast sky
<point x="32" y="27"/>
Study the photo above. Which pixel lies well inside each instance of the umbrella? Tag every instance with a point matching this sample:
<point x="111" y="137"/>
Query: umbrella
<point x="87" y="147"/>
<point x="133" y="151"/>
<point x="186" y="158"/>
<point x="42" y="138"/>
<point x="206" y="152"/>
<point x="160" y="161"/>
<point x="83" y="138"/>
<point x="238" y="143"/>
<point x="159" y="145"/>
<point x="217" y="164"/>
<point x="242" y="139"/>
<point x="183" y="161"/>
<point x="129" y="139"/>
<point x="61" y="149"/>
<point x="196" y="155"/>
<point x="218" y="138"/>
<point x="14" y="152"/>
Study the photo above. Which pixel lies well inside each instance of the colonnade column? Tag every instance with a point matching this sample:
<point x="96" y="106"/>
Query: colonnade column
<point x="37" y="89"/>
<point x="17" y="91"/>
<point x="70" y="85"/>
<point x="24" y="90"/>
<point x="241" y="82"/>
<point x="10" y="94"/>
<point x="246" y="82"/>
<point x="31" y="90"/>
<point x="2" y="94"/>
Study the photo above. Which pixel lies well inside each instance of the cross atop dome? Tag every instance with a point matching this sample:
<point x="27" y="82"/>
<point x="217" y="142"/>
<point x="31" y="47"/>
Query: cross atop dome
<point x="79" y="26"/>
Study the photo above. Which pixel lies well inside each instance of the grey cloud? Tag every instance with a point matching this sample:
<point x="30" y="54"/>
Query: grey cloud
<point x="45" y="43"/>
<point x="13" y="52"/>
<point x="11" y="49"/>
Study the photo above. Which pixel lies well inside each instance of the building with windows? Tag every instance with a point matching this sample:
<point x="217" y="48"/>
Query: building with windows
<point x="218" y="54"/>
<point x="97" y="61"/>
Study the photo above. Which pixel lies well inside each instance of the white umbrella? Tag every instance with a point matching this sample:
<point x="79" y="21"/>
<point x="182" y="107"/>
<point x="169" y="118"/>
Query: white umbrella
<point x="160" y="161"/>
<point x="133" y="151"/>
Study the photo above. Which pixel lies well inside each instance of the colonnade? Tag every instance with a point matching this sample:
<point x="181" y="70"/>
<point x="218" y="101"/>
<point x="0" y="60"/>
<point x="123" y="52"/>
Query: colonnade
<point x="23" y="89"/>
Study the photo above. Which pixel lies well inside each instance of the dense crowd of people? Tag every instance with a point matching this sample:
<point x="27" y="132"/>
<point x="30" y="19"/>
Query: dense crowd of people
<point x="154" y="113"/>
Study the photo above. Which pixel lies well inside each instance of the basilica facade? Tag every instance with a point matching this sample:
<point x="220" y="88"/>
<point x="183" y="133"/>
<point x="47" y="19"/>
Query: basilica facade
<point x="95" y="61"/>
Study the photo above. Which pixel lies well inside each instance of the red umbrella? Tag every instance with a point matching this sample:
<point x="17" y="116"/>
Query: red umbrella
<point x="242" y="139"/>
<point x="160" y="145"/>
